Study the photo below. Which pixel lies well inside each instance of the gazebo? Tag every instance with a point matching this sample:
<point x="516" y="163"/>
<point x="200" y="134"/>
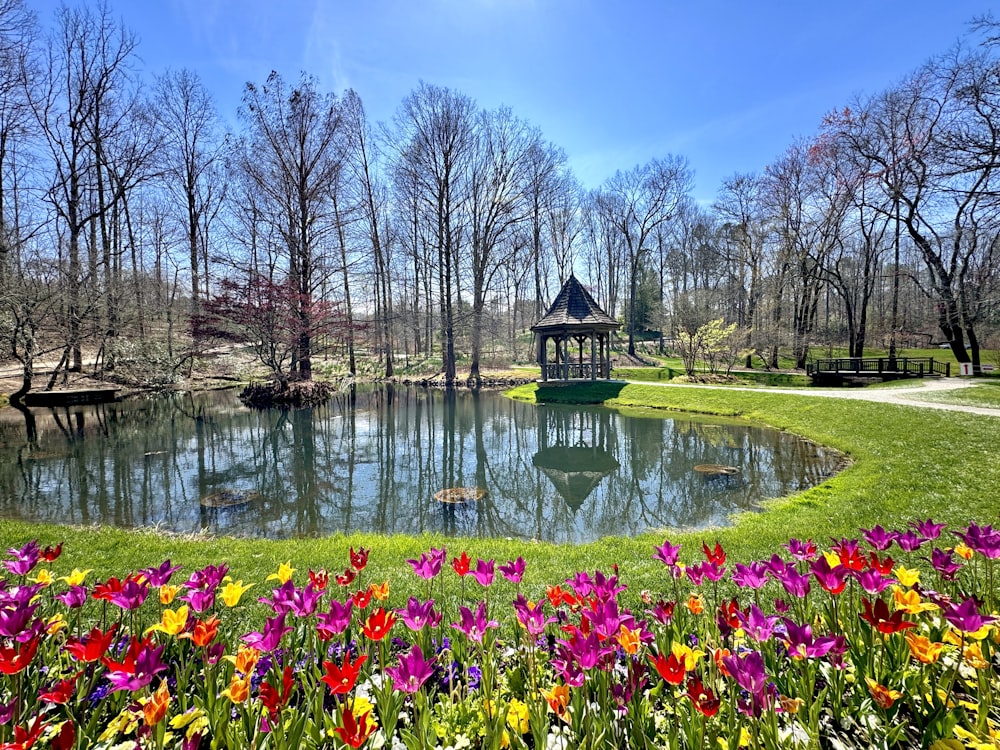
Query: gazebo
<point x="575" y="316"/>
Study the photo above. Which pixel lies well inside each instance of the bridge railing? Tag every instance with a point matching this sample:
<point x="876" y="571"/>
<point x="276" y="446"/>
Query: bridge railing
<point x="916" y="366"/>
<point x="570" y="371"/>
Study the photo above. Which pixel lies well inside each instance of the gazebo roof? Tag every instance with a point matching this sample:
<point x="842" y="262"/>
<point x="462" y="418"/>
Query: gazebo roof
<point x="575" y="309"/>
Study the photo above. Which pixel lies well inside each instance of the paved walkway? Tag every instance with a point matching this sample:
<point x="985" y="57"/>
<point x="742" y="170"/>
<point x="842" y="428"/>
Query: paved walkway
<point x="903" y="396"/>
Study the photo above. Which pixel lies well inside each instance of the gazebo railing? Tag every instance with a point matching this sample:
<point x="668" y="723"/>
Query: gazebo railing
<point x="571" y="371"/>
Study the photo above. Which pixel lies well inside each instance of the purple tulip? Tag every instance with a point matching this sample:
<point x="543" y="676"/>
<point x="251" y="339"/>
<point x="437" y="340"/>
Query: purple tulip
<point x="667" y="553"/>
<point x="474" y="626"/>
<point x="606" y="587"/>
<point x="879" y="538"/>
<point x="582" y="584"/>
<point x="567" y="667"/>
<point x="200" y="601"/>
<point x="586" y="650"/>
<point x="711" y="570"/>
<point x="748" y="671"/>
<point x="694" y="574"/>
<point x="287" y="598"/>
<point x="25" y="559"/>
<point x="13" y="622"/>
<point x="801" y="551"/>
<point x="336" y="620"/>
<point x="532" y="617"/>
<point x="604" y="618"/>
<point x="966" y="617"/>
<point x="131" y="596"/>
<point x="945" y="564"/>
<point x="413" y="671"/>
<point x="208" y="578"/>
<point x="910" y="541"/>
<point x="832" y="580"/>
<point x="484" y="572"/>
<point x="74" y="597"/>
<point x="513" y="571"/>
<point x="872" y="581"/>
<point x="148" y="664"/>
<point x="429" y="564"/>
<point x="663" y="612"/>
<point x="750" y="576"/>
<point x="756" y="624"/>
<point x="160" y="576"/>
<point x="7" y="711"/>
<point x="928" y="528"/>
<point x="417" y="614"/>
<point x="800" y="642"/>
<point x="795" y="583"/>
<point x="983" y="539"/>
<point x="268" y="640"/>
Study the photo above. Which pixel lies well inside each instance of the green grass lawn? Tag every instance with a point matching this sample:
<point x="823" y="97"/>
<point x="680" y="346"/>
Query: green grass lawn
<point x="907" y="464"/>
<point x="981" y="394"/>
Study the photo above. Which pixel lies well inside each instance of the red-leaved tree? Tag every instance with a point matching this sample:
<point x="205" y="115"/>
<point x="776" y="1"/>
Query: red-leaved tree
<point x="268" y="317"/>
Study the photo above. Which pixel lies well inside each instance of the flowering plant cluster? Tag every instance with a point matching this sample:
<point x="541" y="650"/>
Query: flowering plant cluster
<point x="837" y="647"/>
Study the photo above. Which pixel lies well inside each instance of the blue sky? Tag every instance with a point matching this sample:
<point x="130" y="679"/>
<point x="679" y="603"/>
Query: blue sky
<point x="728" y="85"/>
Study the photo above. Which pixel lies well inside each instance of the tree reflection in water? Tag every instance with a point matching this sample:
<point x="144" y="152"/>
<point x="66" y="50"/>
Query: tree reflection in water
<point x="373" y="459"/>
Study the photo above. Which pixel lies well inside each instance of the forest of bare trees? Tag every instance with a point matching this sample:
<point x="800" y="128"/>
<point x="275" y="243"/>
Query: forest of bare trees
<point x="138" y="224"/>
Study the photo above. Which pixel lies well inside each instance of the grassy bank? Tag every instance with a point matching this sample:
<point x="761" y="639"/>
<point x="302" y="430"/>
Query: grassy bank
<point x="907" y="463"/>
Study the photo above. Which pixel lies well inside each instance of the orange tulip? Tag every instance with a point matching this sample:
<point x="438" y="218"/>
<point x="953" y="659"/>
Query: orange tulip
<point x="155" y="708"/>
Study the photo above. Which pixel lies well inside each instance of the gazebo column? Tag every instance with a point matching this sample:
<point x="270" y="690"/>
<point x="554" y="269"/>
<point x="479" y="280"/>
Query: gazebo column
<point x="542" y="345"/>
<point x="593" y="363"/>
<point x="565" y="342"/>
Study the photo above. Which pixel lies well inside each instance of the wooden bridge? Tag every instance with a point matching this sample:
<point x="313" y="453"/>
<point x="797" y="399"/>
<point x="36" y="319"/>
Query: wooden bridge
<point x="838" y="370"/>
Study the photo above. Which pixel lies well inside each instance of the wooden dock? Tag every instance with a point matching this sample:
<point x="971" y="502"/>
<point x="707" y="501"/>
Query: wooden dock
<point x="71" y="397"/>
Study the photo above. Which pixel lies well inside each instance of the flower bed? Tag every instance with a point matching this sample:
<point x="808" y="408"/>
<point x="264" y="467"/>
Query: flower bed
<point x="835" y="648"/>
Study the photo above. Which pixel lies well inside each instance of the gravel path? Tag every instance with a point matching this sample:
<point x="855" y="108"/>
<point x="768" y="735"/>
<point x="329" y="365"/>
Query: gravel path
<point x="911" y="396"/>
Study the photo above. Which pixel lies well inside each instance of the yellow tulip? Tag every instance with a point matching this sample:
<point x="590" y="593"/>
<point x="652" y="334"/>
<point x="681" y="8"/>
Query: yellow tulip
<point x="76" y="578"/>
<point x="172" y="623"/>
<point x="964" y="552"/>
<point x="910" y="601"/>
<point x="238" y="690"/>
<point x="55" y="623"/>
<point x="517" y="716"/>
<point x="44" y="577"/>
<point x="686" y="655"/>
<point x="974" y="656"/>
<point x="907" y="577"/>
<point x="245" y="659"/>
<point x="923" y="649"/>
<point x="285" y="571"/>
<point x="232" y="592"/>
<point x="167" y="594"/>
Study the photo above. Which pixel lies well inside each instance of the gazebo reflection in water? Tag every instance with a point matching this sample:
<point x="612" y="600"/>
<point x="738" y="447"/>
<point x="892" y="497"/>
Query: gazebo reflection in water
<point x="574" y="451"/>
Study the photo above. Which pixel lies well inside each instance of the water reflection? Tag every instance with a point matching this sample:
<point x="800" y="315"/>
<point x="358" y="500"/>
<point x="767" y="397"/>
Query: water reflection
<point x="373" y="461"/>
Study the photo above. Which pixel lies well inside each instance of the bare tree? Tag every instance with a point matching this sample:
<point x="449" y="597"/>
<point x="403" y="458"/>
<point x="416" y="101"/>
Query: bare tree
<point x="934" y="139"/>
<point x="638" y="202"/>
<point x="293" y="155"/>
<point x="193" y="146"/>
<point x="84" y="94"/>
<point x="435" y="130"/>
<point x="500" y="162"/>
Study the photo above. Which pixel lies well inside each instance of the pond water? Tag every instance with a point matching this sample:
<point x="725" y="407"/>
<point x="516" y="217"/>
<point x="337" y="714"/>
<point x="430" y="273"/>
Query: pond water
<point x="374" y="461"/>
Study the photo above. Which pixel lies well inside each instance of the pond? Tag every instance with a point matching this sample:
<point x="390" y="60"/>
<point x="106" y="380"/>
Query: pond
<point x="375" y="461"/>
